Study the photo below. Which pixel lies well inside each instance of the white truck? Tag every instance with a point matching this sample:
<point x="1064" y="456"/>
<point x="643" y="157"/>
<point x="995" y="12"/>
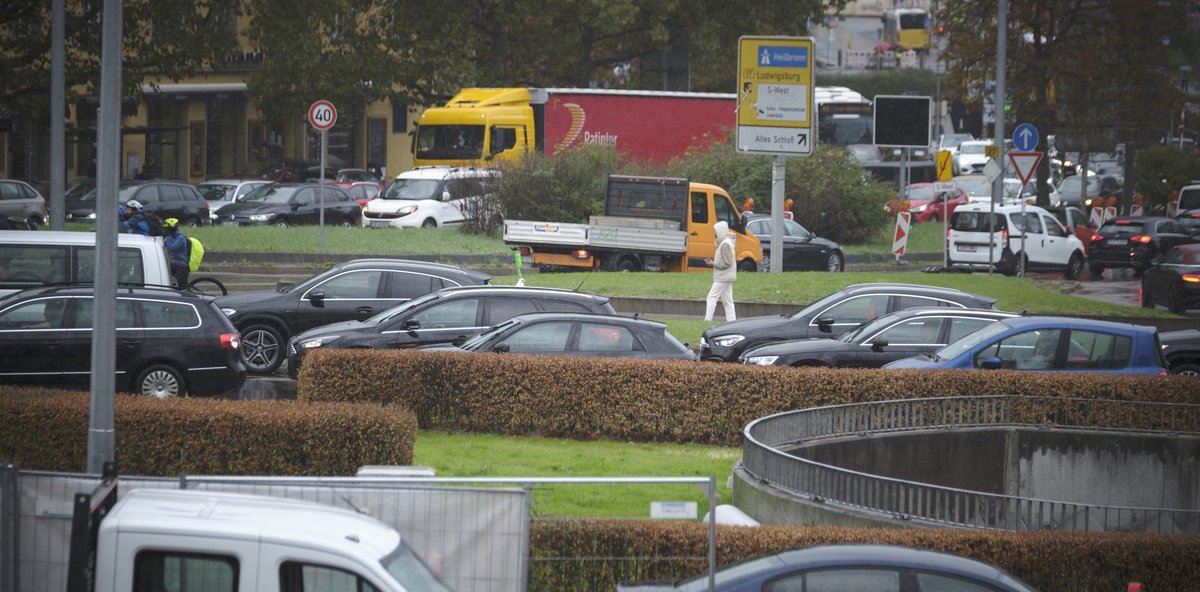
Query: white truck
<point x="216" y="542"/>
<point x="650" y="224"/>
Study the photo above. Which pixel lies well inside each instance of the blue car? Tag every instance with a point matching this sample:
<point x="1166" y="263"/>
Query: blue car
<point x="850" y="567"/>
<point x="1050" y="344"/>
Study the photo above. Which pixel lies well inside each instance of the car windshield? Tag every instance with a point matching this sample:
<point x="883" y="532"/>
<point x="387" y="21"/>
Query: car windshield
<point x="919" y="192"/>
<point x="270" y="194"/>
<point x="971" y="148"/>
<point x="412" y="189"/>
<point x="386" y="315"/>
<point x="450" y="141"/>
<point x="1012" y="188"/>
<point x="820" y="305"/>
<point x="477" y="341"/>
<point x="410" y="571"/>
<point x="216" y="191"/>
<point x="969" y="341"/>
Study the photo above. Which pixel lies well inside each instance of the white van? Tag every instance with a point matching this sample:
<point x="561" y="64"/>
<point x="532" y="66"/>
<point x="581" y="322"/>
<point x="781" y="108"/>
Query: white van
<point x="32" y="259"/>
<point x="1047" y="245"/>
<point x="430" y="197"/>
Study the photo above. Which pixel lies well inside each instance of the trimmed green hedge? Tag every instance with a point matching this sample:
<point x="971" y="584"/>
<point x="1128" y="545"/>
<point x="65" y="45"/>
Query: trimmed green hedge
<point x="47" y="430"/>
<point x="640" y="550"/>
<point x="658" y="401"/>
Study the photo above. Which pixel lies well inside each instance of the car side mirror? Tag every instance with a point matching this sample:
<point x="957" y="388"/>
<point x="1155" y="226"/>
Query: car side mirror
<point x="317" y="298"/>
<point x="825" y="324"/>
<point x="445" y="196"/>
<point x="298" y="204"/>
<point x="501" y="348"/>
<point x="411" y="325"/>
<point x="878" y="344"/>
<point x="990" y="363"/>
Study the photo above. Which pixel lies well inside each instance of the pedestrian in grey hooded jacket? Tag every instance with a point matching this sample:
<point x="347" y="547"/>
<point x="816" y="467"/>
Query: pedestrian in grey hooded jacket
<point x="724" y="264"/>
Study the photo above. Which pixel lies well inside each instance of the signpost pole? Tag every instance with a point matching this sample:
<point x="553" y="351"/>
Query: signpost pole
<point x="321" y="192"/>
<point x="778" y="174"/>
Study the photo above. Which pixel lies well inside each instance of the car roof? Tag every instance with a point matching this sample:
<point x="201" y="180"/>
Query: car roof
<point x="520" y="291"/>
<point x="1036" y="321"/>
<point x="88" y="290"/>
<point x="929" y="311"/>
<point x="589" y="317"/>
<point x="232" y="181"/>
<point x="441" y="172"/>
<point x="414" y="265"/>
<point x="891" y="555"/>
<point x="885" y="286"/>
<point x="1001" y="208"/>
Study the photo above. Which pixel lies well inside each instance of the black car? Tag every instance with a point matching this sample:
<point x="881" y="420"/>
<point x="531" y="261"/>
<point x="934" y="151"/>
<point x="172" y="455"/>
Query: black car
<point x="1133" y="242"/>
<point x="289" y="204"/>
<point x="354" y="290"/>
<point x="1175" y="281"/>
<point x="902" y="334"/>
<point x="1181" y="351"/>
<point x="166" y="199"/>
<point x="168" y="342"/>
<point x="1189" y="222"/>
<point x="831" y="316"/>
<point x="802" y="250"/>
<point x="451" y="315"/>
<point x="575" y="334"/>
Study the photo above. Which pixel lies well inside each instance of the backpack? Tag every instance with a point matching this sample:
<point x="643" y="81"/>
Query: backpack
<point x="195" y="253"/>
<point x="154" y="222"/>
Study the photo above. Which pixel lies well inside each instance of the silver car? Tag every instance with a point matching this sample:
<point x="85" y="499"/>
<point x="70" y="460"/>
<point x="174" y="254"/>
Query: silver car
<point x="21" y="202"/>
<point x="222" y="192"/>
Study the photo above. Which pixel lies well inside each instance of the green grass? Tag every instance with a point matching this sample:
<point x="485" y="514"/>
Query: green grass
<point x="922" y="238"/>
<point x="458" y="455"/>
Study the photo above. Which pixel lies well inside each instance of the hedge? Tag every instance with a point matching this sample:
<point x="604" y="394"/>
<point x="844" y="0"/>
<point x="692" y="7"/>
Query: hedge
<point x="597" y="554"/>
<point x="48" y="430"/>
<point x="657" y="401"/>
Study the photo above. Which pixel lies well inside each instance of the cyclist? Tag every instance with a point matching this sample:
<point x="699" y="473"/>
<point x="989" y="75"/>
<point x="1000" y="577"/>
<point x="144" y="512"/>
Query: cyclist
<point x="178" y="249"/>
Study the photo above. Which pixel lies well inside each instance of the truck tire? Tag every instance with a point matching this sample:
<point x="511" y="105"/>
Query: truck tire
<point x="625" y="262"/>
<point x="747" y="265"/>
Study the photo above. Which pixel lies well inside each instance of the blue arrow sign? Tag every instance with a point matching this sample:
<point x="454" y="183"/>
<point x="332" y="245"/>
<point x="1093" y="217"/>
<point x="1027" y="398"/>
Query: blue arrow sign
<point x="1025" y="137"/>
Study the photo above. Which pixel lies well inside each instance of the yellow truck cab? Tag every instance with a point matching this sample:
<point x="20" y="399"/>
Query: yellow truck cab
<point x="649" y="224"/>
<point x="478" y="126"/>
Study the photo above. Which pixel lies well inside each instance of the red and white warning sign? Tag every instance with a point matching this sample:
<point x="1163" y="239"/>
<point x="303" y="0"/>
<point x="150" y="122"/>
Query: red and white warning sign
<point x="900" y="243"/>
<point x="1024" y="164"/>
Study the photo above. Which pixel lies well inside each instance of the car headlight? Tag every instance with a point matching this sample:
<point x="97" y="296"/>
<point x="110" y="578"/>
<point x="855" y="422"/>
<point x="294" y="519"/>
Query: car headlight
<point x="760" y="360"/>
<point x="91" y="216"/>
<point x="260" y="217"/>
<point x="229" y="311"/>
<point x="316" y="342"/>
<point x="727" y="340"/>
<point x="406" y="210"/>
<point x="918" y="209"/>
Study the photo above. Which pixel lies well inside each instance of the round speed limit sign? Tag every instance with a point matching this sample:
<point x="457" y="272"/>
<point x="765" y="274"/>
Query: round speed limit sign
<point x="322" y="115"/>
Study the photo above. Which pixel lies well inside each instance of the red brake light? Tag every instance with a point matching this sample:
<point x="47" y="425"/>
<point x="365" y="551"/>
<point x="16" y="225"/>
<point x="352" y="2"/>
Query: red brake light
<point x="1123" y="222"/>
<point x="1195" y="214"/>
<point x="1142" y="238"/>
<point x="230" y="341"/>
<point x="525" y="251"/>
<point x="580" y="254"/>
<point x="1193" y="278"/>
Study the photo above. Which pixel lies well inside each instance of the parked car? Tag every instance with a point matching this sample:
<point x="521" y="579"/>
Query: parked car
<point x="1189" y="221"/>
<point x="291" y="204"/>
<point x="33" y="259"/>
<point x="364" y="191"/>
<point x="802" y="250"/>
<point x="576" y="334"/>
<point x="430" y="197"/>
<point x="347" y="177"/>
<point x="222" y="192"/>
<point x="983" y="192"/>
<point x="1046" y="245"/>
<point x="971" y="156"/>
<point x="830" y="316"/>
<point x="165" y="199"/>
<point x="1076" y="221"/>
<point x="1135" y="242"/>
<point x="169" y="343"/>
<point x="952" y="141"/>
<point x="1050" y="344"/>
<point x="450" y="315"/>
<point x="927" y="205"/>
<point x="20" y="201"/>
<point x="1181" y="350"/>
<point x="1071" y="189"/>
<point x="851" y="567"/>
<point x="970" y="183"/>
<point x="1174" y="281"/>
<point x="901" y="334"/>
<point x="354" y="290"/>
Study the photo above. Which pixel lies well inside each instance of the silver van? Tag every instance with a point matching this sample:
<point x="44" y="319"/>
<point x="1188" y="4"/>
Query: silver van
<point x="32" y="259"/>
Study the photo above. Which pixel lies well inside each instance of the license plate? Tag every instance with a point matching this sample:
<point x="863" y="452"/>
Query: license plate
<point x="1117" y="241"/>
<point x="378" y="224"/>
<point x="966" y="248"/>
<point x="526" y="260"/>
<point x="228" y="223"/>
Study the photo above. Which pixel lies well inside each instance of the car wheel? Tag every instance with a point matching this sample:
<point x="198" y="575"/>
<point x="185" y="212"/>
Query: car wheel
<point x="1185" y="369"/>
<point x="1074" y="266"/>
<point x="835" y="262"/>
<point x="262" y="348"/>
<point x="33" y="222"/>
<point x="747" y="265"/>
<point x="1097" y="270"/>
<point x="282" y="223"/>
<point x="161" y="381"/>
<point x="429" y="223"/>
<point x="1175" y="304"/>
<point x="346" y="223"/>
<point x="192" y="222"/>
<point x="1018" y="264"/>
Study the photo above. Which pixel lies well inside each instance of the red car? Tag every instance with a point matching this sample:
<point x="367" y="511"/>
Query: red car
<point x="926" y="205"/>
<point x="1075" y="220"/>
<point x="363" y="191"/>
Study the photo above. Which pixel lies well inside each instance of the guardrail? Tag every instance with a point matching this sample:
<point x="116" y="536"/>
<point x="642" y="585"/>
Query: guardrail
<point x="765" y="457"/>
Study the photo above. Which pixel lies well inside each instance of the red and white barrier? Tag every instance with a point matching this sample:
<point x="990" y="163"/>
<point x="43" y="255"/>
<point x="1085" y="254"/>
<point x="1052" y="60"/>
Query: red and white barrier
<point x="1135" y="209"/>
<point x="1096" y="218"/>
<point x="1173" y="208"/>
<point x="903" y="223"/>
<point x="1109" y="213"/>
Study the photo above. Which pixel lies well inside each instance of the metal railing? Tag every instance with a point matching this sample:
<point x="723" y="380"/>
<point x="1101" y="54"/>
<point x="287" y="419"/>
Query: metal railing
<point x="767" y="440"/>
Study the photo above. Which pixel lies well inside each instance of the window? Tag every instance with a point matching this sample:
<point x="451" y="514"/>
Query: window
<point x="857" y="310"/>
<point x="456" y="313"/>
<point x="35" y="314"/>
<point x="915" y="332"/>
<point x="405" y="285"/>
<point x="1029" y="350"/>
<point x="502" y="309"/>
<point x="562" y="306"/>
<point x="904" y="302"/>
<point x="928" y="582"/>
<point x="129" y="265"/>
<point x="148" y="195"/>
<point x="27" y="266"/>
<point x="841" y="580"/>
<point x="1030" y="221"/>
<point x="159" y="314"/>
<point x="299" y="577"/>
<point x="355" y="285"/>
<point x="9" y="191"/>
<point x="960" y="328"/>
<point x="542" y="337"/>
<point x="83" y="314"/>
<point x="1094" y="351"/>
<point x="169" y="193"/>
<point x="725" y="211"/>
<point x="1053" y="228"/>
<point x="606" y="338"/>
<point x="156" y="571"/>
<point x="699" y="207"/>
<point x="759" y="228"/>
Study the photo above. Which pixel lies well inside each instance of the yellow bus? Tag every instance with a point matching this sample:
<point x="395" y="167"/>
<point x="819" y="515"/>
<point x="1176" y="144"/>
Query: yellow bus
<point x="908" y="27"/>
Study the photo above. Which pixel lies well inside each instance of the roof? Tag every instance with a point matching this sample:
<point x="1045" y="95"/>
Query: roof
<point x="441" y="172"/>
<point x="521" y="290"/>
<point x="930" y="311"/>
<point x="588" y="317"/>
<point x="855" y="288"/>
<point x="66" y="237"/>
<point x="1036" y="321"/>
<point x="85" y="289"/>
<point x="196" y="513"/>
<point x="832" y="555"/>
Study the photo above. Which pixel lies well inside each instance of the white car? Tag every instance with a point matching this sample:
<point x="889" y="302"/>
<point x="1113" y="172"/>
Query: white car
<point x="430" y="197"/>
<point x="971" y="156"/>
<point x="983" y="193"/>
<point x="1046" y="245"/>
<point x="222" y="192"/>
